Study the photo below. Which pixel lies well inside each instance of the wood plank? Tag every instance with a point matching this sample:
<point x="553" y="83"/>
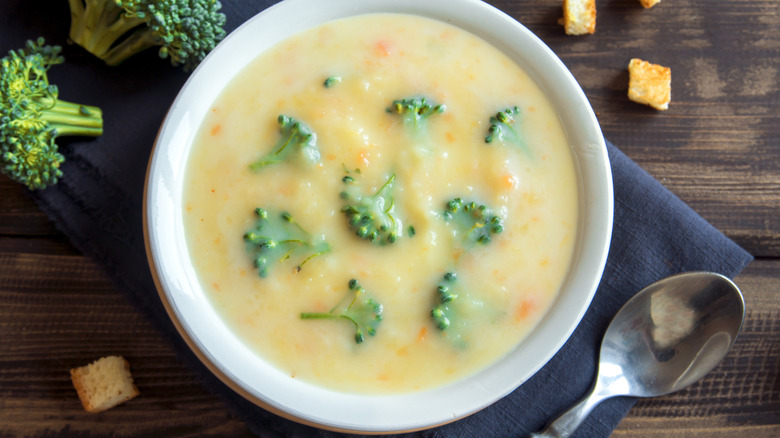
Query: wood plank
<point x="60" y="312"/>
<point x="56" y="244"/>
<point x="19" y="215"/>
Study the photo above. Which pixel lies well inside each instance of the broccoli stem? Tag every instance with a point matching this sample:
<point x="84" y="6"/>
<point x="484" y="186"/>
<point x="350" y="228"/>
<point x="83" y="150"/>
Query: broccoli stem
<point x="67" y="118"/>
<point x="278" y="151"/>
<point x="388" y="208"/>
<point x="98" y="25"/>
<point x="137" y="42"/>
<point x="365" y="314"/>
<point x="311" y="315"/>
<point x="384" y="186"/>
<point x="300" y="265"/>
<point x="321" y="315"/>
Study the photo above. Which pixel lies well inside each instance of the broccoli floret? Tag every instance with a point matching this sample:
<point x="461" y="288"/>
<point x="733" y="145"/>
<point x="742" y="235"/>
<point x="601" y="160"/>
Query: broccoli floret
<point x="475" y="223"/>
<point x="357" y="308"/>
<point x="471" y="224"/>
<point x="32" y="116"/>
<point x="295" y="136"/>
<point x="454" y="310"/>
<point x="114" y="30"/>
<point x="371" y="216"/>
<point x="441" y="312"/>
<point x="502" y="128"/>
<point x="415" y="110"/>
<point x="277" y="238"/>
<point x="331" y="81"/>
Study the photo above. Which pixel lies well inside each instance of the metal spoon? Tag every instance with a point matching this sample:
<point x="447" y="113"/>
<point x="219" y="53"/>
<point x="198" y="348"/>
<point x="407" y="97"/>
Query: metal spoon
<point x="668" y="336"/>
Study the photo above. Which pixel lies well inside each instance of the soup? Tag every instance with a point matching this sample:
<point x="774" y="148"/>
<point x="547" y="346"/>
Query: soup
<point x="382" y="204"/>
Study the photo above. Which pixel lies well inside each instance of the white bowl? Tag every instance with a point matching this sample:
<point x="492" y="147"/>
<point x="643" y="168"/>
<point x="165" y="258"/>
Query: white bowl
<point x="247" y="373"/>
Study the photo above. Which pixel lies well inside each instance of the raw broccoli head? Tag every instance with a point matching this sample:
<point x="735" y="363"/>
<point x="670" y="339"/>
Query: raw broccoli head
<point x="32" y="116"/>
<point x="113" y="30"/>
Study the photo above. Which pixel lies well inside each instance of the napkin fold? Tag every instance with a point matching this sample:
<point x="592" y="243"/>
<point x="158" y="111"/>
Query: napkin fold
<point x="98" y="203"/>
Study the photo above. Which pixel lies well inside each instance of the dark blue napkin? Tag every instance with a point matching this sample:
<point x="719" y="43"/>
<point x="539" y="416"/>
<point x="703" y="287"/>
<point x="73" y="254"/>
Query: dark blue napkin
<point x="98" y="203"/>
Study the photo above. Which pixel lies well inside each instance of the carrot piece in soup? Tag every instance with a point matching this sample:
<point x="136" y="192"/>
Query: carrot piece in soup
<point x="421" y="334"/>
<point x="509" y="181"/>
<point x="525" y="309"/>
<point x="383" y="48"/>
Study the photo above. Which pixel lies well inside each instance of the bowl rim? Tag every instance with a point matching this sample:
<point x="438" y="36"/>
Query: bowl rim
<point x="179" y="290"/>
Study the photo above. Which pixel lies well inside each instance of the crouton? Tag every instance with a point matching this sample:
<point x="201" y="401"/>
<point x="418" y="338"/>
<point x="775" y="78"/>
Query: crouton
<point x="104" y="383"/>
<point x="579" y="17"/>
<point x="650" y="84"/>
<point x="649" y="3"/>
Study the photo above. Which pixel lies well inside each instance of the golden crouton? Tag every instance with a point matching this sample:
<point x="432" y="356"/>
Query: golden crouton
<point x="104" y="383"/>
<point x="649" y="3"/>
<point x="579" y="17"/>
<point x="650" y="84"/>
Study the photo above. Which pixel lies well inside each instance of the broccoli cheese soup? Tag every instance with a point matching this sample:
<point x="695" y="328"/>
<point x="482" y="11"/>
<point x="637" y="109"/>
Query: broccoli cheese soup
<point x="382" y="204"/>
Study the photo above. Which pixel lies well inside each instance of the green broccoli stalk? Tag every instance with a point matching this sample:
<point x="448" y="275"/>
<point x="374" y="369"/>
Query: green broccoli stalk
<point x="415" y="110"/>
<point x="502" y="128"/>
<point x="114" y="30"/>
<point x="472" y="222"/>
<point x="32" y="116"/>
<point x="295" y="137"/>
<point x="357" y="308"/>
<point x="371" y="216"/>
<point x="278" y="238"/>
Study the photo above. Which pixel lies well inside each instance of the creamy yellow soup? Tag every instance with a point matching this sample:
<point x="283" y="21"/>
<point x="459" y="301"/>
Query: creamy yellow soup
<point x="363" y="146"/>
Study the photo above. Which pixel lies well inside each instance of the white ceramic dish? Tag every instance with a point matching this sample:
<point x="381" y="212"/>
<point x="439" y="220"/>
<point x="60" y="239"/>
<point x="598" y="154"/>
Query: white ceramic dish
<point x="248" y="374"/>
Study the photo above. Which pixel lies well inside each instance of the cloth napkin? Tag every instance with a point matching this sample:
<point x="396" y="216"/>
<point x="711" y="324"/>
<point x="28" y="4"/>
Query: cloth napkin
<point x="98" y="204"/>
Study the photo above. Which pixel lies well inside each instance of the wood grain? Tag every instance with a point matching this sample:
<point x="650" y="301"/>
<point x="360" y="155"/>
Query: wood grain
<point x="61" y="312"/>
<point x="19" y="215"/>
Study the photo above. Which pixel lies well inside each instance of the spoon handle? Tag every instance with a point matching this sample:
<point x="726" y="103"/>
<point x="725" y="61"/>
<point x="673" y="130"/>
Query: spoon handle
<point x="565" y="425"/>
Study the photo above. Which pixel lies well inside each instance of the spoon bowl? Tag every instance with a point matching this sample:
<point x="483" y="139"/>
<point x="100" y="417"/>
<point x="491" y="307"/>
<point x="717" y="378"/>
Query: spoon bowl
<point x="666" y="337"/>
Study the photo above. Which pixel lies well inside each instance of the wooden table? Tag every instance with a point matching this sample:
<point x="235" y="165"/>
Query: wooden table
<point x="717" y="147"/>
